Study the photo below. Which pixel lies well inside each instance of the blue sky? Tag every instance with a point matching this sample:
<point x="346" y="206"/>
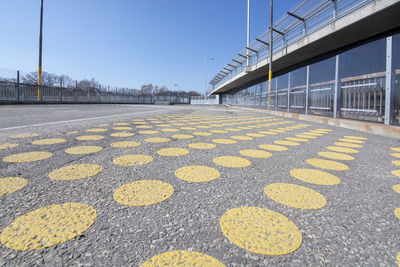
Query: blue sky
<point x="127" y="43"/>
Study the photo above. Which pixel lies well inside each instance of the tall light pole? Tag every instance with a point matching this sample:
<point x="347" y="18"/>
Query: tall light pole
<point x="270" y="51"/>
<point x="248" y="33"/>
<point x="205" y="73"/>
<point x="40" y="51"/>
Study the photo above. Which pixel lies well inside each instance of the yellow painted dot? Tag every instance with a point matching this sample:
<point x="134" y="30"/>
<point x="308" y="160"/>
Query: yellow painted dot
<point x="344" y="144"/>
<point x="143" y="193"/>
<point x="261" y="230"/>
<point x="297" y="139"/>
<point x="396" y="149"/>
<point x="232" y="162"/>
<point x="121" y="123"/>
<point x="397" y="212"/>
<point x="351" y="141"/>
<point x="295" y="196"/>
<point x="277" y="131"/>
<point x="122" y="128"/>
<point x="255" y="135"/>
<point x="24" y="135"/>
<point x="10" y="185"/>
<point x="313" y="134"/>
<point x="149" y="132"/>
<point x="224" y="141"/>
<point x="89" y="137"/>
<point x="27" y="157"/>
<point x="182" y="258"/>
<point x="83" y="150"/>
<point x="132" y="160"/>
<point x="322" y="129"/>
<point x="75" y="172"/>
<point x="50" y="141"/>
<point x="157" y="140"/>
<point x="170" y="130"/>
<point x="255" y="153"/>
<point x="182" y="136"/>
<point x="396" y="173"/>
<point x="122" y="134"/>
<point x="48" y="226"/>
<point x="202" y="133"/>
<point x="306" y="136"/>
<point x="396" y="162"/>
<point x="242" y="137"/>
<point x="398" y="259"/>
<point x="197" y="174"/>
<point x="396" y="155"/>
<point x="8" y="145"/>
<point x="273" y="147"/>
<point x="286" y="143"/>
<point x="219" y="131"/>
<point x="188" y="128"/>
<point x="319" y="132"/>
<point x="328" y="164"/>
<point x="315" y="176"/>
<point x="96" y="130"/>
<point x="202" y="146"/>
<point x="163" y="125"/>
<point x="355" y="137"/>
<point x="397" y="188"/>
<point x="342" y="149"/>
<point x="335" y="155"/>
<point x="144" y="127"/>
<point x="172" y="152"/>
<point x="267" y="132"/>
<point x="125" y="144"/>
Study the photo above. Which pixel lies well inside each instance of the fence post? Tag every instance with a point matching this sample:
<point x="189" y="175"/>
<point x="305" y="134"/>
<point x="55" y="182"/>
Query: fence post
<point x="61" y="90"/>
<point x="336" y="97"/>
<point x="276" y="93"/>
<point x="17" y="91"/>
<point x="288" y="93"/>
<point x="307" y="88"/>
<point x="76" y="91"/>
<point x="388" y="82"/>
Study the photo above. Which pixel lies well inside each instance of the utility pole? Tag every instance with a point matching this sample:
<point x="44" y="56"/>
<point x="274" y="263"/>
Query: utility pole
<point x="40" y="52"/>
<point x="270" y="51"/>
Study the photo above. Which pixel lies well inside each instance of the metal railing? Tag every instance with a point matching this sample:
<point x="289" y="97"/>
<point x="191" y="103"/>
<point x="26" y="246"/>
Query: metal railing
<point x="314" y="14"/>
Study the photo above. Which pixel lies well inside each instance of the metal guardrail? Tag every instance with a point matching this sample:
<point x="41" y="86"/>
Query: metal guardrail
<point x="11" y="92"/>
<point x="309" y="16"/>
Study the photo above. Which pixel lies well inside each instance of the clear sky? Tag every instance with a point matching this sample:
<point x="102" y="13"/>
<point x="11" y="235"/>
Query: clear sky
<point x="128" y="43"/>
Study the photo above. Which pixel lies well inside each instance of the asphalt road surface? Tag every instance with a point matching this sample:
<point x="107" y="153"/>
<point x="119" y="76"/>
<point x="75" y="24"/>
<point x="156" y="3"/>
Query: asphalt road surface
<point x="132" y="185"/>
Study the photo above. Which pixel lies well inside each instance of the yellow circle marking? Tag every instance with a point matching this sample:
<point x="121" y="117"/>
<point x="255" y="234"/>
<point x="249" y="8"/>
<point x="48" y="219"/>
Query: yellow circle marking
<point x="122" y="134"/>
<point x="306" y="136"/>
<point x="182" y="136"/>
<point x="396" y="162"/>
<point x="267" y="132"/>
<point x="132" y="160"/>
<point x="232" y="162"/>
<point x="397" y="212"/>
<point x="202" y="133"/>
<point x="143" y="193"/>
<point x="260" y="230"/>
<point x="48" y="226"/>
<point x="295" y="196"/>
<point x="396" y="149"/>
<point x="188" y="128"/>
<point x="313" y="134"/>
<point x="96" y="130"/>
<point x="10" y="185"/>
<point x="242" y="137"/>
<point x="157" y="140"/>
<point x="149" y="132"/>
<point x="8" y="145"/>
<point x="335" y="155"/>
<point x="277" y="131"/>
<point x="342" y="149"/>
<point x="144" y="127"/>
<point x="343" y="144"/>
<point x="89" y="137"/>
<point x="328" y="164"/>
<point x="170" y="130"/>
<point x="202" y="146"/>
<point x="224" y="141"/>
<point x="397" y="188"/>
<point x="286" y="143"/>
<point x="83" y="150"/>
<point x="396" y="155"/>
<point x="125" y="144"/>
<point x="75" y="172"/>
<point x="319" y="132"/>
<point x="315" y="177"/>
<point x="182" y="258"/>
<point x="172" y="152"/>
<point x="255" y="135"/>
<point x="27" y="157"/>
<point x="351" y="141"/>
<point x="396" y="173"/>
<point x="355" y="137"/>
<point x="273" y="147"/>
<point x="50" y="141"/>
<point x="163" y="125"/>
<point x="197" y="174"/>
<point x="398" y="259"/>
<point x="25" y="135"/>
<point x="322" y="129"/>
<point x="121" y="123"/>
<point x="122" y="128"/>
<point x="297" y="139"/>
<point x="219" y="131"/>
<point x="255" y="153"/>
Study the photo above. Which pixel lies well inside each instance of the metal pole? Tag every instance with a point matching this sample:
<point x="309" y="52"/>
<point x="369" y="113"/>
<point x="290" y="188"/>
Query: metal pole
<point x="288" y="93"/>
<point x="205" y="75"/>
<point x="61" y="90"/>
<point x="307" y="87"/>
<point x="270" y="52"/>
<point x="17" y="93"/>
<point x="248" y="32"/>
<point x="388" y="82"/>
<point x="40" y="51"/>
<point x="337" y="89"/>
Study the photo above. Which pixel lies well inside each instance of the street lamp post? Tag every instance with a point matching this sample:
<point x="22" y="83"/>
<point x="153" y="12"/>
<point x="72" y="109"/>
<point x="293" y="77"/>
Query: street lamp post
<point x="248" y="34"/>
<point x="205" y="73"/>
<point x="40" y="52"/>
<point x="270" y="53"/>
